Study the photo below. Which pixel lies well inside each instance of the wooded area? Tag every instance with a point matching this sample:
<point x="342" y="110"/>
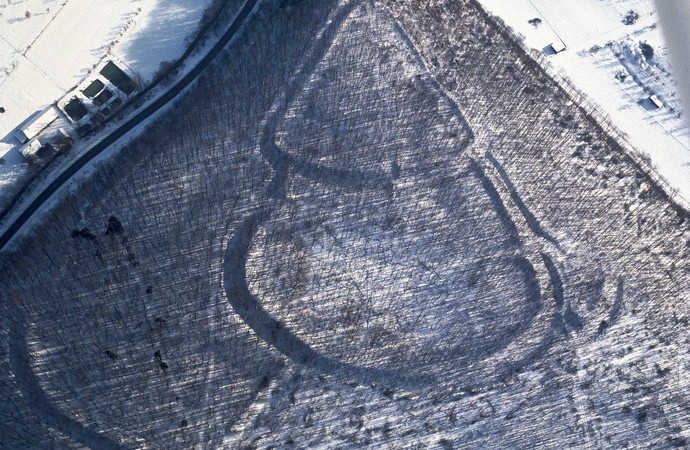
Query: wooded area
<point x="390" y="228"/>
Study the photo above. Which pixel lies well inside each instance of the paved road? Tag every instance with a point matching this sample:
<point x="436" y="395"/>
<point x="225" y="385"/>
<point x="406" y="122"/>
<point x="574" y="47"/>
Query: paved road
<point x="36" y="204"/>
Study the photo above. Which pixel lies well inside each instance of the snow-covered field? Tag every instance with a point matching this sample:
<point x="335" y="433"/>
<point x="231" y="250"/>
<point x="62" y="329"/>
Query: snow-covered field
<point x="604" y="59"/>
<point x="48" y="46"/>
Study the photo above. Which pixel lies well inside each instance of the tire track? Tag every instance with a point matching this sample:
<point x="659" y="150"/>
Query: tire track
<point x="39" y="402"/>
<point x="531" y="221"/>
<point x="273" y="331"/>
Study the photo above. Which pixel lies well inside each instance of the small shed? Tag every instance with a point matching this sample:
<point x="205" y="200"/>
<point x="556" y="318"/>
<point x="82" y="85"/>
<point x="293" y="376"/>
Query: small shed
<point x="34" y="126"/>
<point x="42" y="149"/>
<point x="557" y="46"/>
<point x="655" y="101"/>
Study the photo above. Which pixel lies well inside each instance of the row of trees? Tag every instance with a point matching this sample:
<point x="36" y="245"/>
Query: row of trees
<point x="587" y="193"/>
<point x="128" y="331"/>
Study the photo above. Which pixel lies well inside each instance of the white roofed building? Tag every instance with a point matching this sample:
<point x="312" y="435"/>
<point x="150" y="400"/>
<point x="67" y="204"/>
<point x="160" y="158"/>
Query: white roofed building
<point x="37" y="124"/>
<point x="557" y="46"/>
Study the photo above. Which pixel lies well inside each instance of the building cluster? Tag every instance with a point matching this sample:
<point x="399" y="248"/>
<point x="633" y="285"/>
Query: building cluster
<point x="50" y="131"/>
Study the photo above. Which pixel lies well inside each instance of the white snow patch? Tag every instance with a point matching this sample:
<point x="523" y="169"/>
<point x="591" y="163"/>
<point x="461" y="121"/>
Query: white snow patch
<point x="604" y="60"/>
<point x="48" y="46"/>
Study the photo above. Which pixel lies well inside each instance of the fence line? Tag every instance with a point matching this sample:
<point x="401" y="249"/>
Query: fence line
<point x="643" y="162"/>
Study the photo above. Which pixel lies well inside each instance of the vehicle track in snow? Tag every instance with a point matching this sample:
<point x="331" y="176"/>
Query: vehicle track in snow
<point x="542" y="277"/>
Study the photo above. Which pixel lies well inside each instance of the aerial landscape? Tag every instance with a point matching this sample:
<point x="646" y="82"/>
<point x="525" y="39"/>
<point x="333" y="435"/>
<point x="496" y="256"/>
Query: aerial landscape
<point x="288" y="224"/>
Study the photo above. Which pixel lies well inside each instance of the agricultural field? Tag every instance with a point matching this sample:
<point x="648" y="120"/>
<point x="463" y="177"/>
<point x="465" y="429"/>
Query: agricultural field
<point x="616" y="56"/>
<point x="376" y="224"/>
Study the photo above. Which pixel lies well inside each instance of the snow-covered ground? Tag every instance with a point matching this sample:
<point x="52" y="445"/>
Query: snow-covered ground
<point x="604" y="59"/>
<point x="48" y="46"/>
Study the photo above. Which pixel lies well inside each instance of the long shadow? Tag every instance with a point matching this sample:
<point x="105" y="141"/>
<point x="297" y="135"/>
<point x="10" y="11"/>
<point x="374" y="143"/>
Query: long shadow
<point x="532" y="221"/>
<point x="556" y="281"/>
<point x="558" y="292"/>
<point x="617" y="306"/>
<point x="39" y="402"/>
<point x="495" y="198"/>
<point x="565" y="313"/>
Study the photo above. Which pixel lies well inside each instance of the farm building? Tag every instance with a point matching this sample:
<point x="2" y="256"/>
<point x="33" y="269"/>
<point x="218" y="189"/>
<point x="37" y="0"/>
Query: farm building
<point x="34" y="126"/>
<point x="40" y="151"/>
<point x="655" y="101"/>
<point x="118" y="78"/>
<point x="75" y="109"/>
<point x="557" y="47"/>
